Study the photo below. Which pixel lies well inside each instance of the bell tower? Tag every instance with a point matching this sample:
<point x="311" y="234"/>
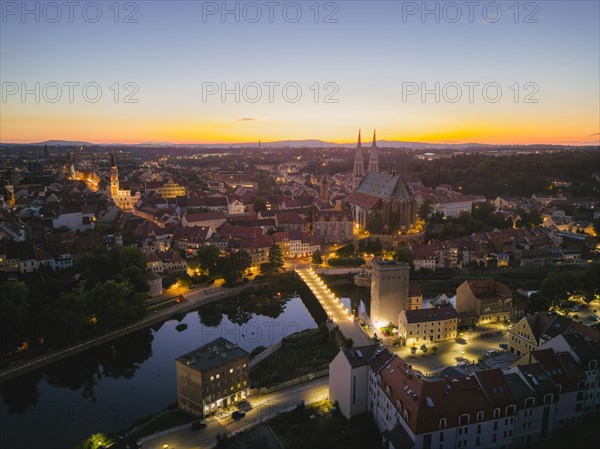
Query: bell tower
<point x="114" y="177"/>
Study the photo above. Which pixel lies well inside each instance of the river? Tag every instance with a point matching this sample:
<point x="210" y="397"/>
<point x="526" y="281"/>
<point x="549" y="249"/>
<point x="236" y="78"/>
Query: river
<point x="109" y="387"/>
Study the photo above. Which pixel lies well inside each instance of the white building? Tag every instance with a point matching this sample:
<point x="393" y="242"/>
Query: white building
<point x="348" y="380"/>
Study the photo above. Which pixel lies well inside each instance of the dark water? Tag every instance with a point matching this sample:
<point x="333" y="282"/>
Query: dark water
<point x="107" y="388"/>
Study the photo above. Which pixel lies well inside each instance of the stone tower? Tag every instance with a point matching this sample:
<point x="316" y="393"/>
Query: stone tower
<point x="373" y="157"/>
<point x="114" y="177"/>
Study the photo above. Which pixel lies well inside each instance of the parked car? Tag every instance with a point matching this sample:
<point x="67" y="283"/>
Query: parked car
<point x="594" y="317"/>
<point x="237" y="415"/>
<point x="576" y="309"/>
<point x="490" y="352"/>
<point x="198" y="425"/>
<point x="504" y="346"/>
<point x="462" y="364"/>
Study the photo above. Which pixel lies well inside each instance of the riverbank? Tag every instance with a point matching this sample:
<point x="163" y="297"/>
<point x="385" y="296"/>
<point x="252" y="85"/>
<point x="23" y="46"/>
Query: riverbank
<point x="301" y="353"/>
<point x="192" y="301"/>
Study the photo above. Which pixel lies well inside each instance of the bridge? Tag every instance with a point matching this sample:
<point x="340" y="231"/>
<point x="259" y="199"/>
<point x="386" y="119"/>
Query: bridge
<point x="335" y="310"/>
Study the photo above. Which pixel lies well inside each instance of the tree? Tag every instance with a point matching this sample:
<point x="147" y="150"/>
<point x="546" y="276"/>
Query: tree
<point x="434" y="348"/>
<point x="413" y="350"/>
<point x="116" y="303"/>
<point x="206" y="261"/>
<point x="14" y="305"/>
<point x="424" y="348"/>
<point x="538" y="303"/>
<point x="316" y="258"/>
<point x="94" y="441"/>
<point x="425" y="209"/>
<point x="235" y="265"/>
<point x="403" y="254"/>
<point x="260" y="204"/>
<point x="69" y="317"/>
<point x="275" y="257"/>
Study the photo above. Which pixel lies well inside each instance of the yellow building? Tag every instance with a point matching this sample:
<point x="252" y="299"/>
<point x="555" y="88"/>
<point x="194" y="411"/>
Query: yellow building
<point x="428" y="325"/>
<point x="171" y="190"/>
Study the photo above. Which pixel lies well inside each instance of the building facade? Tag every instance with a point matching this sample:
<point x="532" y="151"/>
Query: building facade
<point x="212" y="376"/>
<point x="431" y="325"/>
<point x="487" y="299"/>
<point x="389" y="291"/>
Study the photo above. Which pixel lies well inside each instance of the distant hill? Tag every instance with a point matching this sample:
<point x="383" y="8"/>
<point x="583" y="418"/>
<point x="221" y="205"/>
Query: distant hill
<point x="307" y="143"/>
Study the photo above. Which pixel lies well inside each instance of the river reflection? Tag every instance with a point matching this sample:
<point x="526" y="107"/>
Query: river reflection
<point x="107" y="388"/>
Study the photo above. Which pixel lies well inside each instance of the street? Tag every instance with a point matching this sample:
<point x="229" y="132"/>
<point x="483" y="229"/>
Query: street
<point x="263" y="407"/>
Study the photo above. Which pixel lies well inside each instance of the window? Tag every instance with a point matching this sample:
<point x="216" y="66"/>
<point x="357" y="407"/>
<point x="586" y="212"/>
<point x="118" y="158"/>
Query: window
<point x="529" y="402"/>
<point x="511" y="409"/>
<point x="480" y="416"/>
<point x="548" y="398"/>
<point x="443" y="423"/>
<point x="463" y="420"/>
<point x="496" y="413"/>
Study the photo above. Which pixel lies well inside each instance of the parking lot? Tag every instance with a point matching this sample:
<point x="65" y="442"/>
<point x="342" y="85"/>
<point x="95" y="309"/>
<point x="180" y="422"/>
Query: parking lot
<point x="472" y="347"/>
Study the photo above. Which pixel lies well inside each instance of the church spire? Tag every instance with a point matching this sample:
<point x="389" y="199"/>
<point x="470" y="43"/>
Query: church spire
<point x="373" y="158"/>
<point x="374" y="139"/>
<point x="359" y="165"/>
<point x="112" y="160"/>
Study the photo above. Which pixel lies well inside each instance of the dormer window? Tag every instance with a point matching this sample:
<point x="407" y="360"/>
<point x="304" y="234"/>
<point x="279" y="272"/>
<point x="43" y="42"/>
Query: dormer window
<point x="529" y="402"/>
<point x="480" y="416"/>
<point x="496" y="413"/>
<point x="443" y="423"/>
<point x="510" y="410"/>
<point x="463" y="420"/>
<point x="548" y="398"/>
<point x="593" y="364"/>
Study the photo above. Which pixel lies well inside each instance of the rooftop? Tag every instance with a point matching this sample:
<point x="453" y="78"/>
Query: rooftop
<point x="216" y="353"/>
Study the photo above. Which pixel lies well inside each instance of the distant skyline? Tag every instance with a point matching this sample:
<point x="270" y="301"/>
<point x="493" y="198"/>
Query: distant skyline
<point x="374" y="54"/>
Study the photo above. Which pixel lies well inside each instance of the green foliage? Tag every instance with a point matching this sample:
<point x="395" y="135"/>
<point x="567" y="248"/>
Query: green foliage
<point x="206" y="261"/>
<point x="260" y="204"/>
<point x="346" y="261"/>
<point x="538" y="303"/>
<point x="234" y="266"/>
<point x="275" y="257"/>
<point x="14" y="305"/>
<point x="346" y="250"/>
<point x="425" y="209"/>
<point x="413" y="350"/>
<point x="403" y="254"/>
<point x="94" y="441"/>
<point x="317" y="259"/>
<point x="557" y="285"/>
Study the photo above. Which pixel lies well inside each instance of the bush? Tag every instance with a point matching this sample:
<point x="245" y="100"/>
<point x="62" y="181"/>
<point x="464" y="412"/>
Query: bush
<point x="346" y="262"/>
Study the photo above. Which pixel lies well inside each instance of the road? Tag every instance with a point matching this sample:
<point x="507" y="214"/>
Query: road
<point x="192" y="300"/>
<point x="263" y="408"/>
<point x="334" y="308"/>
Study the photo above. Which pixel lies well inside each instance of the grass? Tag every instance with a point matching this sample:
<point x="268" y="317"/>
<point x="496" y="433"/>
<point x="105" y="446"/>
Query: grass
<point x="301" y="353"/>
<point x="169" y="418"/>
<point x="316" y="427"/>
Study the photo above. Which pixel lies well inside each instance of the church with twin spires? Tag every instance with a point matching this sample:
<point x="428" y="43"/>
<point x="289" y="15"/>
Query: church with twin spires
<point x="381" y="202"/>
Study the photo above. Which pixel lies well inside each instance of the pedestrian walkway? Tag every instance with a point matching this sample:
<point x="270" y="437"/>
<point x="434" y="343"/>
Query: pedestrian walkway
<point x="334" y="308"/>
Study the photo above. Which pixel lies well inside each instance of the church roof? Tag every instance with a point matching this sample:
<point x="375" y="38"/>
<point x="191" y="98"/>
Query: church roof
<point x="384" y="186"/>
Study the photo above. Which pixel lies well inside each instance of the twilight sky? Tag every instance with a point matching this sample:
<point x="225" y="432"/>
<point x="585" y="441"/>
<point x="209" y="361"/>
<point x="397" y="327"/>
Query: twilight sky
<point x="539" y="63"/>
